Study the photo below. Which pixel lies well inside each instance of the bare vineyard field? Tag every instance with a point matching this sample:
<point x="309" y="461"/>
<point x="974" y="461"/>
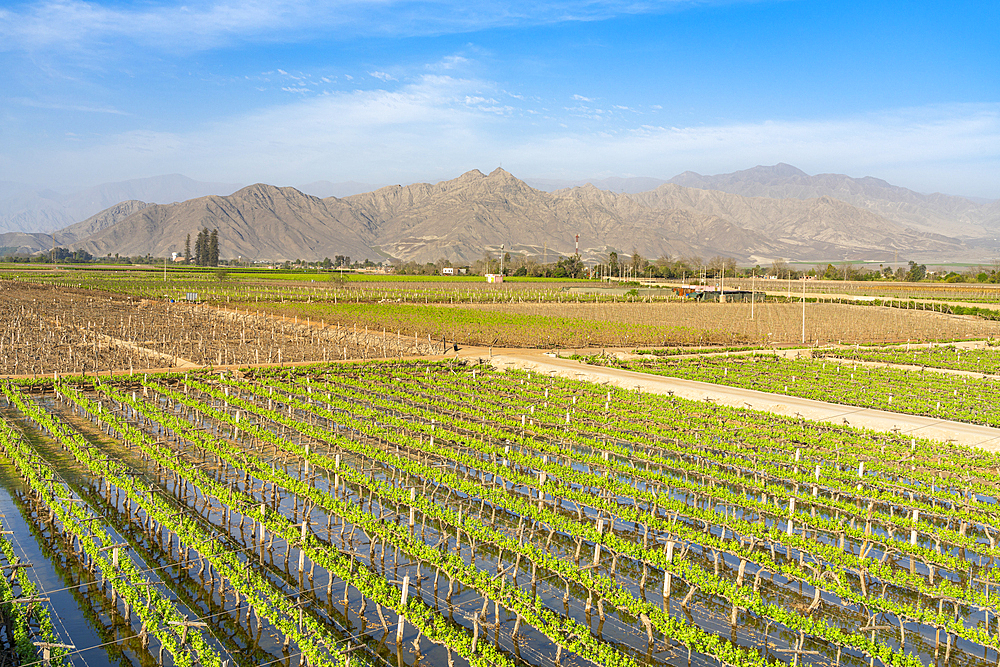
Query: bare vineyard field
<point x="528" y="314"/>
<point x="45" y="330"/>
<point x="572" y="324"/>
<point x="412" y="513"/>
<point x="771" y="323"/>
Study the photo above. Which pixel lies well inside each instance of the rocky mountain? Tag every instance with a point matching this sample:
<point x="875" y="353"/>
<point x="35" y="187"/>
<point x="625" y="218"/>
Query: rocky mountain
<point x="24" y="243"/>
<point x="818" y="227"/>
<point x="464" y="218"/>
<point x="24" y="208"/>
<point x="259" y="222"/>
<point x="99" y="221"/>
<point x="935" y="213"/>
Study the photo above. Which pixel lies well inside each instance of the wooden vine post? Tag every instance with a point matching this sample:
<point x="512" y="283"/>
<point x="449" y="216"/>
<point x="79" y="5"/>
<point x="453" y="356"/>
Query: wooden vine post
<point x="402" y="618"/>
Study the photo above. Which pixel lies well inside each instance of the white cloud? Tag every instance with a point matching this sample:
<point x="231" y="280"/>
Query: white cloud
<point x="452" y="62"/>
<point x="78" y="25"/>
<point x="381" y="75"/>
<point x="39" y="104"/>
<point x="438" y="126"/>
<point x="951" y="148"/>
<point x="422" y="127"/>
<point x="581" y="98"/>
<point x="204" y="24"/>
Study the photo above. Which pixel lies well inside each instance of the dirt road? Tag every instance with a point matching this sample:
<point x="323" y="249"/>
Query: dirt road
<point x="983" y="437"/>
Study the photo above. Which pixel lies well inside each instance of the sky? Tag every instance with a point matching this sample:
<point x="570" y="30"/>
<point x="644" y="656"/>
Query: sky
<point x="387" y="91"/>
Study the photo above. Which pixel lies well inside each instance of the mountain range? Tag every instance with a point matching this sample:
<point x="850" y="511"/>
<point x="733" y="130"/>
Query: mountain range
<point x="755" y="215"/>
<point x="26" y="208"/>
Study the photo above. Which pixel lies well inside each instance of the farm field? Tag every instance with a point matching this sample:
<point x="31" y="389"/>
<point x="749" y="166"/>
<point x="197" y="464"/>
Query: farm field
<point x="227" y="284"/>
<point x="930" y="291"/>
<point x="45" y="330"/>
<point x="519" y="314"/>
<point x="224" y="285"/>
<point x="572" y="324"/>
<point x="295" y="515"/>
<point x="986" y="360"/>
<point x="907" y="391"/>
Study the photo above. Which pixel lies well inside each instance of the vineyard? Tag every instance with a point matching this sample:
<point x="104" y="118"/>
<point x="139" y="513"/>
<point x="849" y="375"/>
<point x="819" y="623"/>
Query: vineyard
<point x="262" y="287"/>
<point x="59" y="321"/>
<point x="572" y="324"/>
<point x="450" y="514"/>
<point x="973" y="360"/>
<point x="914" y="391"/>
<point x="45" y="330"/>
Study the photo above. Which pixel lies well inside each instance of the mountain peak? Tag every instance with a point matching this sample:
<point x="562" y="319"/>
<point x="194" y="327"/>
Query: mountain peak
<point x="266" y="190"/>
<point x="499" y="172"/>
<point x="780" y="170"/>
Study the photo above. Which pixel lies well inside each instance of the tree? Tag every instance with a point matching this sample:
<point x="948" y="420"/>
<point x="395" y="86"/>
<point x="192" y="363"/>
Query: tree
<point x="569" y="267"/>
<point x="187" y="250"/>
<point x="199" y="248"/>
<point x="213" y="248"/>
<point x="916" y="272"/>
<point x="612" y="262"/>
<point x="638" y="263"/>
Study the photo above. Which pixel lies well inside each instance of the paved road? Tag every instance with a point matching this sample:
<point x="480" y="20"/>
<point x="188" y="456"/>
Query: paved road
<point x="983" y="437"/>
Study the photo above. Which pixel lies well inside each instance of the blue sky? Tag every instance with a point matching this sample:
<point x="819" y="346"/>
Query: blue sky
<point x="394" y="92"/>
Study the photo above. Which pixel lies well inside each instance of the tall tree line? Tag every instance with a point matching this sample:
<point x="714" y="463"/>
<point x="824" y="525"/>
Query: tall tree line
<point x="206" y="248"/>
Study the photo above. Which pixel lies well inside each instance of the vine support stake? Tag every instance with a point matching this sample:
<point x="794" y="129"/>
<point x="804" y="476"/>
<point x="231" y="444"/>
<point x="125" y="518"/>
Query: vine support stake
<point x="402" y="618"/>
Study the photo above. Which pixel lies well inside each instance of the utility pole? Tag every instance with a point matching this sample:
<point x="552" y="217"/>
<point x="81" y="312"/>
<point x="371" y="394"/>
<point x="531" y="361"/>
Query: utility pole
<point x="753" y="275"/>
<point x="501" y="258"/>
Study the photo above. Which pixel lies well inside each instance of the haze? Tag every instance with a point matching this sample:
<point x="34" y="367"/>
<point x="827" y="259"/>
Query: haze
<point x="397" y="92"/>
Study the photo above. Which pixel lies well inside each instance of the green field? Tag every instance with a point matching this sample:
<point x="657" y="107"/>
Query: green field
<point x="916" y="392"/>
